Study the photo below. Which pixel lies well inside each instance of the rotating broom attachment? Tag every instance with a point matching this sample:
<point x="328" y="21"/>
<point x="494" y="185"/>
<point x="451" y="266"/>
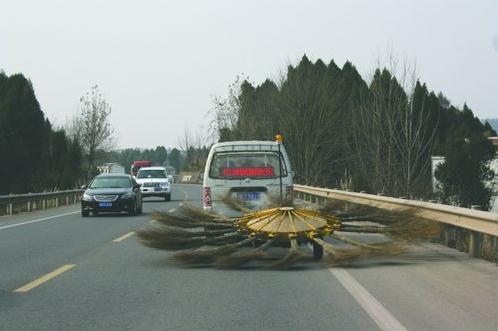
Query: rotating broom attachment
<point x="205" y="239"/>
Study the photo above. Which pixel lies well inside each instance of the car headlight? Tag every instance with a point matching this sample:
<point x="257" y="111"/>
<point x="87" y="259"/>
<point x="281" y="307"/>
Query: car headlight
<point x="126" y="196"/>
<point x="165" y="184"/>
<point x="87" y="197"/>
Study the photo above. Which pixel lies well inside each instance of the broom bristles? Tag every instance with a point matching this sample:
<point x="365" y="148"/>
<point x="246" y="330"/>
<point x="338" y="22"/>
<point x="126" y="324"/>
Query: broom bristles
<point x="206" y="256"/>
<point x="175" y="220"/>
<point x="338" y="256"/>
<point x="351" y="241"/>
<point x="235" y="203"/>
<point x="292" y="256"/>
<point x="151" y="239"/>
<point x="164" y="231"/>
<point x="192" y="213"/>
<point x="166" y="241"/>
<point x="404" y="230"/>
<point x="237" y="260"/>
<point x="413" y="229"/>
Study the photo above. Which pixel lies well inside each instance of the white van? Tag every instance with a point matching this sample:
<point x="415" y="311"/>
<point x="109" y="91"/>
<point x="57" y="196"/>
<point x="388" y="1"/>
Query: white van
<point x="248" y="171"/>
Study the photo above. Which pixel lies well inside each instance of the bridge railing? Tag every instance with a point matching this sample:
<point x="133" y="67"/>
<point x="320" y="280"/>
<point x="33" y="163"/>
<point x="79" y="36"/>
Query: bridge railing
<point x="480" y="224"/>
<point x="16" y="203"/>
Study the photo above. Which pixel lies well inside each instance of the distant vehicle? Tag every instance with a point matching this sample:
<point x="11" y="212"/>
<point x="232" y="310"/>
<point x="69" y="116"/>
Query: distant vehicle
<point x="136" y="165"/>
<point x="154" y="181"/>
<point x="111" y="168"/>
<point x="248" y="171"/>
<point x="112" y="193"/>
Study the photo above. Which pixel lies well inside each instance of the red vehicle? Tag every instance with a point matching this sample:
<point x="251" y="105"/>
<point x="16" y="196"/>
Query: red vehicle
<point x="136" y="165"/>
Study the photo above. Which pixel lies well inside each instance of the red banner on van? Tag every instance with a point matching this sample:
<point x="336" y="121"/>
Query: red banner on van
<point x="248" y="172"/>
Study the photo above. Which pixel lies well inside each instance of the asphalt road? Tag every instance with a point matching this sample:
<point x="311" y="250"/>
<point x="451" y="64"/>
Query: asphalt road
<point x="101" y="278"/>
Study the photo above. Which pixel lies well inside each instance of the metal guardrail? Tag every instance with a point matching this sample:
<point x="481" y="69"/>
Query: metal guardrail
<point x="476" y="221"/>
<point x="470" y="219"/>
<point x="16" y="203"/>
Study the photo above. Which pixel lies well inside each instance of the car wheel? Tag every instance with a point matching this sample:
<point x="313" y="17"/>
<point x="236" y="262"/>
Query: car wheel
<point x="85" y="213"/>
<point x="317" y="251"/>
<point x="140" y="209"/>
<point x="167" y="197"/>
<point x="133" y="209"/>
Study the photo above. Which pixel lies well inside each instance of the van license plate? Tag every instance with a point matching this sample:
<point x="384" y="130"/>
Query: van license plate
<point x="105" y="204"/>
<point x="251" y="196"/>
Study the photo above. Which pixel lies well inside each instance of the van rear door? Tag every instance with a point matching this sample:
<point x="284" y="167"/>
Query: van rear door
<point x="249" y="176"/>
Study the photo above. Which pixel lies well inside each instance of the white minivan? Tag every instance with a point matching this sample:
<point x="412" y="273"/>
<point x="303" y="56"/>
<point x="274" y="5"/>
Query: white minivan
<point x="248" y="171"/>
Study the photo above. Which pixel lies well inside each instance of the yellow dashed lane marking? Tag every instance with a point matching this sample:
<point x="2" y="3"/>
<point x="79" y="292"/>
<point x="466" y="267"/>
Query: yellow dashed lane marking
<point x="43" y="279"/>
<point x="124" y="237"/>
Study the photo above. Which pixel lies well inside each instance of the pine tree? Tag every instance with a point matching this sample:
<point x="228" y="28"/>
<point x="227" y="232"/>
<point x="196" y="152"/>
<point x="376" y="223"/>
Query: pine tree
<point x="465" y="176"/>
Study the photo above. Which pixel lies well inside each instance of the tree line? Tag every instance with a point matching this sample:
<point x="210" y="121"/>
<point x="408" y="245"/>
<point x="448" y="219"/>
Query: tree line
<point x="158" y="156"/>
<point x="34" y="156"/>
<point x="342" y="131"/>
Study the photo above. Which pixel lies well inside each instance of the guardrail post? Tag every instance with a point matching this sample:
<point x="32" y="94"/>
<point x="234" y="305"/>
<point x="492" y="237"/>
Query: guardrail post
<point x="474" y="244"/>
<point x="449" y="233"/>
<point x="67" y="200"/>
<point x="474" y="239"/>
<point x="9" y="208"/>
<point x="29" y="206"/>
<point x="44" y="204"/>
<point x="56" y="202"/>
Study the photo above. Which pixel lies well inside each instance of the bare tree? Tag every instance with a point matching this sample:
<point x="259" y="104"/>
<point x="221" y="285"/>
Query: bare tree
<point x="392" y="130"/>
<point x="195" y="148"/>
<point x="226" y="112"/>
<point x="92" y="125"/>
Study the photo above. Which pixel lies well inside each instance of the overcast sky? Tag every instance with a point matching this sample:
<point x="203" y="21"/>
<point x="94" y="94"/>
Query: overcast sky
<point x="159" y="62"/>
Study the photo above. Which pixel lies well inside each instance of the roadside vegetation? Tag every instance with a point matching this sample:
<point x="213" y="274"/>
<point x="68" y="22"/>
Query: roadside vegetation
<point x="343" y="131"/>
<point x="35" y="156"/>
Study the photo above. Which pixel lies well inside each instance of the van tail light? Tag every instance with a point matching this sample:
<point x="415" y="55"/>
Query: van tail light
<point x="206" y="197"/>
<point x="289" y="192"/>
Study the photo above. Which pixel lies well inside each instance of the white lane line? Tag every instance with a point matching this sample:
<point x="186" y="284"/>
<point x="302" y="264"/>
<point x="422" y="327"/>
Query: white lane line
<point x="37" y="220"/>
<point x="185" y="196"/>
<point x="381" y="316"/>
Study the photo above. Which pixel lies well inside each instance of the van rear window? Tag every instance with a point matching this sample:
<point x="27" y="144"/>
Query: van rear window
<point x="235" y="165"/>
